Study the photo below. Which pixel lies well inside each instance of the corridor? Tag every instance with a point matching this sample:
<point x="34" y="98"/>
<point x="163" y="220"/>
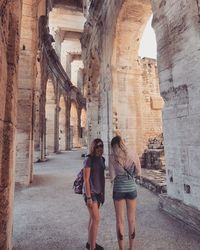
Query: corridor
<point x="49" y="216"/>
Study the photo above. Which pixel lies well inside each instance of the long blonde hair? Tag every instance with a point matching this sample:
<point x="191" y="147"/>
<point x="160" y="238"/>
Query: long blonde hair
<point x="119" y="150"/>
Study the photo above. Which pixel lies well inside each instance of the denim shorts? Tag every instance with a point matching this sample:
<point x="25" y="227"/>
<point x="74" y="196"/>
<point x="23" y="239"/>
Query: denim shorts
<point x="95" y="198"/>
<point x="124" y="196"/>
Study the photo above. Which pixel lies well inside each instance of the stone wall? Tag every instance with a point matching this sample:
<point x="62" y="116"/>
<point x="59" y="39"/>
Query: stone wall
<point x="177" y="31"/>
<point x="10" y="12"/>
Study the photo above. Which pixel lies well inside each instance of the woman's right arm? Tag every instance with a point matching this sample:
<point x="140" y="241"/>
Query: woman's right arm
<point x="86" y="177"/>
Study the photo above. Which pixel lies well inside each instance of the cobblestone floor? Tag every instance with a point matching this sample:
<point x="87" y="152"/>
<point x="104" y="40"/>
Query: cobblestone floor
<point x="49" y="216"/>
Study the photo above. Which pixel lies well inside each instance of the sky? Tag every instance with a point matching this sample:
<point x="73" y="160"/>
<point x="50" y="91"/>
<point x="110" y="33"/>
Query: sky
<point x="148" y="45"/>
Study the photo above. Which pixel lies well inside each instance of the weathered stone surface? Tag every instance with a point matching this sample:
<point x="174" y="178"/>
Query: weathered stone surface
<point x="153" y="156"/>
<point x="123" y="89"/>
<point x="154" y="180"/>
<point x="178" y="53"/>
<point x="26" y="88"/>
<point x="10" y="12"/>
<point x="178" y="209"/>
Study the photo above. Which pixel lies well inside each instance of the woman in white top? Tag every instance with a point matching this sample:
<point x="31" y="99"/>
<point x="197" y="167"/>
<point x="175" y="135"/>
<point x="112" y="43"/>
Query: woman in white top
<point x="123" y="166"/>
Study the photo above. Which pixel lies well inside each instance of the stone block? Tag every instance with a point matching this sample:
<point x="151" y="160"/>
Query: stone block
<point x="156" y="102"/>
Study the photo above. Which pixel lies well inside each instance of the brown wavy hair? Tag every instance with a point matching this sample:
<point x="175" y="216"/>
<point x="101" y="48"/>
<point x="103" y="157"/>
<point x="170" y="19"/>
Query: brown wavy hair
<point x="93" y="145"/>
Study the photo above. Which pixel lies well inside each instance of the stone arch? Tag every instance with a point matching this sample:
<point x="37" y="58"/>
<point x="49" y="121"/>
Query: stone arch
<point x="50" y="109"/>
<point x="62" y="124"/>
<point x="136" y="106"/>
<point x="74" y="133"/>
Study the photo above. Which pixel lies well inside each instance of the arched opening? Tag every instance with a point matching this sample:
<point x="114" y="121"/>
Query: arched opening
<point x="83" y="133"/>
<point x="74" y="137"/>
<point x="75" y="66"/>
<point x="136" y="103"/>
<point x="50" y="117"/>
<point x="148" y="45"/>
<point x="62" y="124"/>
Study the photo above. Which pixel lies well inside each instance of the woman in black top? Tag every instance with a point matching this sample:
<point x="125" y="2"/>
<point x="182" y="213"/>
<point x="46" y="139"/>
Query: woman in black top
<point x="94" y="185"/>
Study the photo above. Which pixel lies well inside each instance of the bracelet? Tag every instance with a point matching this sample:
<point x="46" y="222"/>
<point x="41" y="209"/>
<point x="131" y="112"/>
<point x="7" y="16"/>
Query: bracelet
<point x="88" y="198"/>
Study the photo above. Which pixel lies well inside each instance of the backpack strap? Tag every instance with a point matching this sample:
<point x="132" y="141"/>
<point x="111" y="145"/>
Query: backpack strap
<point x="91" y="157"/>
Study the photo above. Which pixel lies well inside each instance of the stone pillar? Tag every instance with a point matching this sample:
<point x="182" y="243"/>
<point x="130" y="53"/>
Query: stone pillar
<point x="75" y="66"/>
<point x="42" y="124"/>
<point x="58" y="36"/>
<point x="67" y="64"/>
<point x="68" y="108"/>
<point x="50" y="117"/>
<point x="62" y="124"/>
<point x="83" y="136"/>
<point x="79" y="125"/>
<point x="36" y="156"/>
<point x="80" y="80"/>
<point x="56" y="131"/>
<point x="26" y="88"/>
<point x="74" y="125"/>
<point x="178" y="65"/>
<point x="9" y="54"/>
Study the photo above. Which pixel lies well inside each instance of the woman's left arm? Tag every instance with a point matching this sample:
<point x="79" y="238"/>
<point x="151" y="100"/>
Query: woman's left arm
<point x="111" y="168"/>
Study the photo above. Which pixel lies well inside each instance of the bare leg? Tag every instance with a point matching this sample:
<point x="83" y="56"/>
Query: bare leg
<point x="89" y="228"/>
<point x="93" y="226"/>
<point x="131" y="210"/>
<point x="119" y="210"/>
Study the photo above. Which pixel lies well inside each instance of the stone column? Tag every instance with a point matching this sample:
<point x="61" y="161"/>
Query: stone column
<point x="58" y="41"/>
<point x="62" y="124"/>
<point x="9" y="54"/>
<point x="26" y="88"/>
<point x="42" y="123"/>
<point x="68" y="108"/>
<point x="56" y="131"/>
<point x="79" y="125"/>
<point x="67" y="63"/>
<point x="50" y="117"/>
<point x="42" y="142"/>
<point x="36" y="156"/>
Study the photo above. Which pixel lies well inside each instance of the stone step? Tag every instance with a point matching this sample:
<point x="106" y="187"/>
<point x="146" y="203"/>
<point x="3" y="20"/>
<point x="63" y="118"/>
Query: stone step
<point x="154" y="180"/>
